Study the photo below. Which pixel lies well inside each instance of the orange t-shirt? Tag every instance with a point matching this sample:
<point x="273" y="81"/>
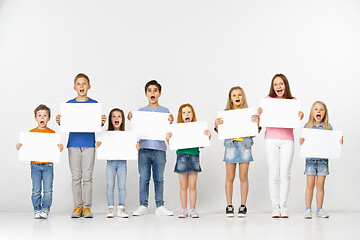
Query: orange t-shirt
<point x="47" y="130"/>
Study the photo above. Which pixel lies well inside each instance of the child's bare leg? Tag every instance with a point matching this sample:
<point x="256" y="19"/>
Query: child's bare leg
<point x="183" y="189"/>
<point x="244" y="181"/>
<point x="310" y="184"/>
<point x="192" y="189"/>
<point x="320" y="182"/>
<point x="230" y="176"/>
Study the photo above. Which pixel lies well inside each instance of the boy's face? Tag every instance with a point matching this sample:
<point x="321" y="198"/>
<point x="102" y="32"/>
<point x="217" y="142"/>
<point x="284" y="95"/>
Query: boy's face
<point x="42" y="117"/>
<point x="153" y="94"/>
<point x="81" y="87"/>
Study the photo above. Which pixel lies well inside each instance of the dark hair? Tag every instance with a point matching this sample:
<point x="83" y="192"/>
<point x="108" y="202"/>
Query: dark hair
<point x="111" y="126"/>
<point x="42" y="107"/>
<point x="287" y="93"/>
<point x="82" y="75"/>
<point x="153" y="82"/>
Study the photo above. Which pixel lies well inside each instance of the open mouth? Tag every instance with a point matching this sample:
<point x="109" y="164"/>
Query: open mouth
<point x="279" y="91"/>
<point x="238" y="101"/>
<point x="152" y="98"/>
<point x="82" y="90"/>
<point x="187" y="119"/>
<point x="117" y="122"/>
<point x="318" y="116"/>
<point x="42" y="122"/>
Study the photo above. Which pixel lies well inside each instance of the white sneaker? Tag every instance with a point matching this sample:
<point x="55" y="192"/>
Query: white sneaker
<point x="122" y="212"/>
<point x="110" y="213"/>
<point x="322" y="214"/>
<point x="284" y="211"/>
<point x="275" y="211"/>
<point x="193" y="213"/>
<point x="308" y="214"/>
<point x="44" y="214"/>
<point x="37" y="215"/>
<point x="142" y="210"/>
<point x="162" y="210"/>
<point x="183" y="213"/>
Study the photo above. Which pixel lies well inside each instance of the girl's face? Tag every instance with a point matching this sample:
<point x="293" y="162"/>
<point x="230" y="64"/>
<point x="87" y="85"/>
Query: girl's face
<point x="187" y="114"/>
<point x="236" y="98"/>
<point x="116" y="120"/>
<point x="279" y="87"/>
<point x="318" y="112"/>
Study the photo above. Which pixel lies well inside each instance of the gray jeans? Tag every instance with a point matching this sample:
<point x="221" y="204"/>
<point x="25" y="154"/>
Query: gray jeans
<point x="81" y="162"/>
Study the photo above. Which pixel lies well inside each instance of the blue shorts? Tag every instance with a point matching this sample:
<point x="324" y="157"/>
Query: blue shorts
<point x="319" y="167"/>
<point x="237" y="152"/>
<point x="186" y="163"/>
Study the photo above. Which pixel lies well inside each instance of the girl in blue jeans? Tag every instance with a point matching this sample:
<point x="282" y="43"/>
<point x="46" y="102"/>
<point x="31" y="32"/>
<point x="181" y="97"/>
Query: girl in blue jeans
<point x="187" y="165"/>
<point x="116" y="168"/>
<point x="316" y="169"/>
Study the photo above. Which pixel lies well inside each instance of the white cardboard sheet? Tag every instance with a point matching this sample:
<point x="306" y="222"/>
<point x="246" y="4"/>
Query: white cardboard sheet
<point x="237" y="123"/>
<point x="321" y="143"/>
<point x="117" y="145"/>
<point x="150" y="125"/>
<point x="188" y="135"/>
<point x="80" y="117"/>
<point x="39" y="147"/>
<point x="280" y="113"/>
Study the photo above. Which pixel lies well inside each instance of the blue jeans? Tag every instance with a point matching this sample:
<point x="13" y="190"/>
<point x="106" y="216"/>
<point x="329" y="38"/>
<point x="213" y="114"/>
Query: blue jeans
<point x="116" y="168"/>
<point x="156" y="159"/>
<point x="44" y="173"/>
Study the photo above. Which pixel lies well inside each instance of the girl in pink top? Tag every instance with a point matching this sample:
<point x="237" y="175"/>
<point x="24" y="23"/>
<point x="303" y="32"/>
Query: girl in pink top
<point x="279" y="148"/>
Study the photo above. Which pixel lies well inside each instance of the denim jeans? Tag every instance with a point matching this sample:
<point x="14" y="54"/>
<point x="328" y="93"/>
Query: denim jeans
<point x="42" y="173"/>
<point x="156" y="159"/>
<point x="116" y="168"/>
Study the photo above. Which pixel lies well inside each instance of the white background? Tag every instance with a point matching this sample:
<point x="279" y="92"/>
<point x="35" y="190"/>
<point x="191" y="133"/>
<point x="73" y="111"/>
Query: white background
<point x="197" y="50"/>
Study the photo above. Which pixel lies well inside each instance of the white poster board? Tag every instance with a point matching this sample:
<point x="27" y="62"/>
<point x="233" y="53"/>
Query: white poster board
<point x="80" y="117"/>
<point x="237" y="123"/>
<point x="117" y="145"/>
<point x="188" y="135"/>
<point x="39" y="147"/>
<point x="150" y="125"/>
<point x="321" y="143"/>
<point x="280" y="113"/>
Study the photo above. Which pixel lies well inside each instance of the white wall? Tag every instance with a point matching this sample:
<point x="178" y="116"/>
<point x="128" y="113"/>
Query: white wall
<point x="197" y="50"/>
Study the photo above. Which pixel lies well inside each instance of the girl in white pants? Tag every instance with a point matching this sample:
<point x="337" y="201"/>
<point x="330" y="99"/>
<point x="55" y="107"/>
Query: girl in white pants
<point x="279" y="148"/>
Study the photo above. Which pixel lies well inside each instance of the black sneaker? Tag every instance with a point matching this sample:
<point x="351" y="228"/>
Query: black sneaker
<point x="242" y="211"/>
<point x="230" y="211"/>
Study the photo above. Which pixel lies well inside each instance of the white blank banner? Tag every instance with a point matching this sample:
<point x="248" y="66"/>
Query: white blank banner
<point x="39" y="147"/>
<point x="117" y="145"/>
<point x="280" y="113"/>
<point x="321" y="143"/>
<point x="237" y="123"/>
<point x="150" y="125"/>
<point x="80" y="117"/>
<point x="188" y="135"/>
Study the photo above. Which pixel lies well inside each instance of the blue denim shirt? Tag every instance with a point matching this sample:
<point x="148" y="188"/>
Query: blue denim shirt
<point x="320" y="127"/>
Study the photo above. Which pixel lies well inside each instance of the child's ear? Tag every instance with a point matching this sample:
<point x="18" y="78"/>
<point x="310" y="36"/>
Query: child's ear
<point x="89" y="86"/>
<point x="74" y="87"/>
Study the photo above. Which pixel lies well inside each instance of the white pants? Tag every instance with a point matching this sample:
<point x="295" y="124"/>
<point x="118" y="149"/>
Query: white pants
<point x="279" y="154"/>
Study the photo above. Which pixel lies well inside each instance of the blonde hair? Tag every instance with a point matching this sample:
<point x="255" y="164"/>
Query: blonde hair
<point x="179" y="118"/>
<point x="310" y="123"/>
<point x="230" y="105"/>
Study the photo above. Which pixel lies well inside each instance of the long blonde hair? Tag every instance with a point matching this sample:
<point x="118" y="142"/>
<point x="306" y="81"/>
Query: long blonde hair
<point x="230" y="105"/>
<point x="310" y="123"/>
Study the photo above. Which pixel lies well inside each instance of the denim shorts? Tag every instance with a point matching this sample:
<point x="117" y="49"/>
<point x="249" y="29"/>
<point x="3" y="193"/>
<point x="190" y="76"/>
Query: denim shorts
<point x="237" y="152"/>
<point x="318" y="167"/>
<point x="186" y="163"/>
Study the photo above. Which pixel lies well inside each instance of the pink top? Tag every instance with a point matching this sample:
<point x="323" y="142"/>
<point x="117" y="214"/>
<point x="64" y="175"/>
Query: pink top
<point x="279" y="133"/>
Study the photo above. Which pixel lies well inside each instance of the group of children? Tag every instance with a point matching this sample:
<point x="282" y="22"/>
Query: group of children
<point x="279" y="146"/>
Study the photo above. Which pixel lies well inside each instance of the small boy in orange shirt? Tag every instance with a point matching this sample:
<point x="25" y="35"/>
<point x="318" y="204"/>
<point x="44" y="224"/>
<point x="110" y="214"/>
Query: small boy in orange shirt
<point x="42" y="171"/>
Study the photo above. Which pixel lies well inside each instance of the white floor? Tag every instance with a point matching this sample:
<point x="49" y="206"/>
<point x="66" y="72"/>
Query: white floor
<point x="208" y="226"/>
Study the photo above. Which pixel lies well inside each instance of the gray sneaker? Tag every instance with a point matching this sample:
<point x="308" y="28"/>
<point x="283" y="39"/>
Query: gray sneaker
<point x="322" y="214"/>
<point x="308" y="214"/>
<point x="183" y="213"/>
<point x="193" y="213"/>
<point x="44" y="214"/>
<point x="37" y="215"/>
